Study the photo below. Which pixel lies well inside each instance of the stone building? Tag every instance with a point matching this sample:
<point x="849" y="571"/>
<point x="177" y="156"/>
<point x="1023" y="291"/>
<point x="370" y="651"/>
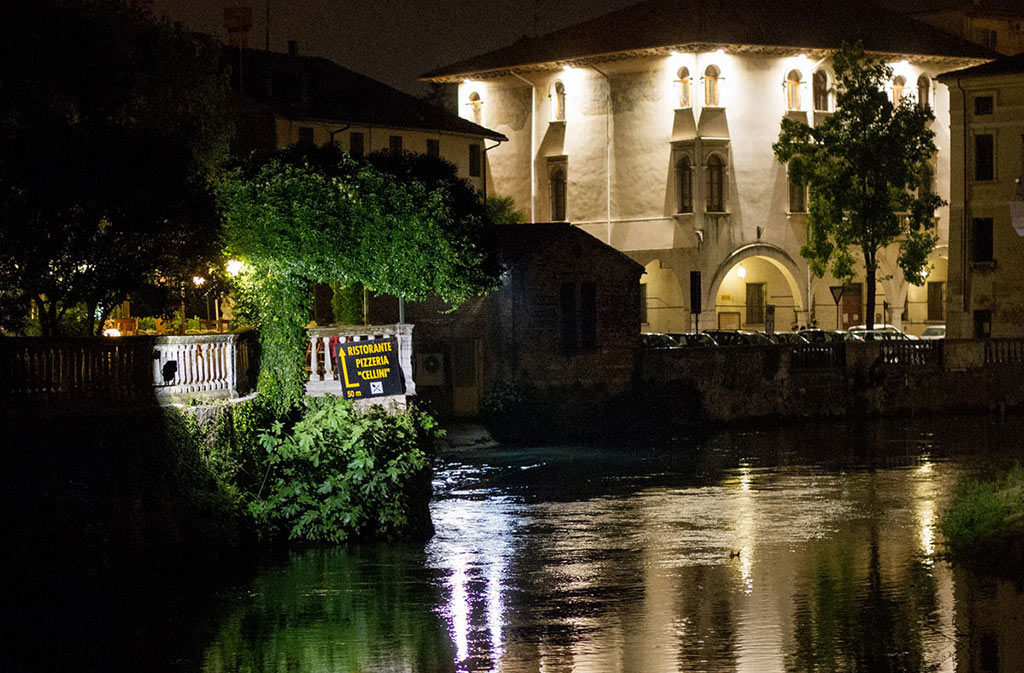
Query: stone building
<point x="996" y="24"/>
<point x="986" y="248"/>
<point x="651" y="128"/>
<point x="565" y="318"/>
<point x="287" y="99"/>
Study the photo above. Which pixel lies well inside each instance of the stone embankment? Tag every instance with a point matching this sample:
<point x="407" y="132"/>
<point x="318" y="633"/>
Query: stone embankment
<point x="873" y="378"/>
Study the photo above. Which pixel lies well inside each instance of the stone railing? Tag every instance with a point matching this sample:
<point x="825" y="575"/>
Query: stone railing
<point x="912" y="353"/>
<point x="322" y="371"/>
<point x="63" y="368"/>
<point x="206" y="366"/>
<point x="819" y="356"/>
<point x="140" y="369"/>
<point x="1004" y="351"/>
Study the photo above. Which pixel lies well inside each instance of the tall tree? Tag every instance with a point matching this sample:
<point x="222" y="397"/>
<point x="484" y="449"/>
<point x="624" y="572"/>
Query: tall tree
<point x="112" y="126"/>
<point x="864" y="166"/>
<point x="401" y="223"/>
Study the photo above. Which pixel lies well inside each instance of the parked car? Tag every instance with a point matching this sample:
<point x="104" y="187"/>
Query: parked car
<point x="693" y="339"/>
<point x="934" y="332"/>
<point x="725" y="337"/>
<point x="657" y="340"/>
<point x="821" y="336"/>
<point x="787" y="338"/>
<point x="880" y="333"/>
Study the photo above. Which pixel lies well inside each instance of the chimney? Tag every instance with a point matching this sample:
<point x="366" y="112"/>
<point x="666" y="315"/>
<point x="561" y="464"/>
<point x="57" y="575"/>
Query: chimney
<point x="293" y="48"/>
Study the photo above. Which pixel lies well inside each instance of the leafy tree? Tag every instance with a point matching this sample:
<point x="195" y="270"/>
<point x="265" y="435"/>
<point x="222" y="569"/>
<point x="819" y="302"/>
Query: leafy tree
<point x="502" y="210"/>
<point x="112" y="125"/>
<point x="864" y="167"/>
<point x="401" y="223"/>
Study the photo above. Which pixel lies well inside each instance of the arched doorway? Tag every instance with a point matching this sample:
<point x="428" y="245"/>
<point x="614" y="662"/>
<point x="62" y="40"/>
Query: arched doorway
<point x="750" y="280"/>
<point x="662" y="300"/>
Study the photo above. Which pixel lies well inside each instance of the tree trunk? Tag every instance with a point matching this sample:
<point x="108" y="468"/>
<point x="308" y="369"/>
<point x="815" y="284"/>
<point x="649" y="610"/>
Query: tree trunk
<point x="90" y="319"/>
<point x="869" y="310"/>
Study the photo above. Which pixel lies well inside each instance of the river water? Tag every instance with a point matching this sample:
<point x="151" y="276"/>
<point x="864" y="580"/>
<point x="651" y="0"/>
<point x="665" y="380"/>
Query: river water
<point x="810" y="548"/>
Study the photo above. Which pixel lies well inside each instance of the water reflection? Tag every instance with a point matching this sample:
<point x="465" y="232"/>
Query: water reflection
<point x="779" y="550"/>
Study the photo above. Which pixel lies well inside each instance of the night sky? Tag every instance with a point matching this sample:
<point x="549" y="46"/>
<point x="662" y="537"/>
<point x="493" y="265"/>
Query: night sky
<point x="391" y="40"/>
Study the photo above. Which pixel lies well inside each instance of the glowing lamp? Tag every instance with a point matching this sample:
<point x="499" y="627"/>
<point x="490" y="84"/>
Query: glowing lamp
<point x="234" y="267"/>
<point x="198" y="281"/>
<point x="111" y="332"/>
<point x="741" y="271"/>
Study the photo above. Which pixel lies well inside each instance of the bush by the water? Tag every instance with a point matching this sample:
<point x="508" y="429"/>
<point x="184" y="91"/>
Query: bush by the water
<point x="986" y="518"/>
<point x="340" y="472"/>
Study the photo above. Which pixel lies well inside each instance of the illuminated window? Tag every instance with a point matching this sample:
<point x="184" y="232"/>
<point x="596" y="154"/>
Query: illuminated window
<point x="712" y="77"/>
<point x="898" y="85"/>
<point x="558" y="195"/>
<point x="558" y="102"/>
<point x="715" y="184"/>
<point x="924" y="91"/>
<point x="684" y="185"/>
<point x="684" y="87"/>
<point x="820" y="85"/>
<point x="793" y="90"/>
<point x="476" y="107"/>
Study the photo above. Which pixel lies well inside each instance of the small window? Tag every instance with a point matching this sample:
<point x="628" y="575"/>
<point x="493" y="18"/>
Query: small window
<point x="355" y="145"/>
<point x="987" y="38"/>
<point x="475" y="168"/>
<point x="588" y="314"/>
<point x="558" y="195"/>
<point x="793" y="90"/>
<point x="924" y="91"/>
<point x="984" y="157"/>
<point x="683" y="84"/>
<point x="433" y="147"/>
<point x="712" y="77"/>
<point x="306" y="136"/>
<point x="981" y="239"/>
<point x="567" y="311"/>
<point x="820" y="84"/>
<point x="983" y="106"/>
<point x="476" y="108"/>
<point x="936" y="307"/>
<point x="797" y="197"/>
<point x="983" y="330"/>
<point x="684" y="185"/>
<point x="395" y="143"/>
<point x="899" y="84"/>
<point x="715" y="184"/>
<point x="558" y="102"/>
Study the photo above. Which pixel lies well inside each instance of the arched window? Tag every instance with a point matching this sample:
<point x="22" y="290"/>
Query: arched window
<point x="797" y="197"/>
<point x="927" y="187"/>
<point x="476" y="107"/>
<point x="712" y="77"/>
<point x="793" y="90"/>
<point x="684" y="185"/>
<point x="820" y="85"/>
<point x="924" y="91"/>
<point x="898" y="85"/>
<point x="558" y="195"/>
<point x="558" y="102"/>
<point x="684" y="87"/>
<point x="715" y="184"/>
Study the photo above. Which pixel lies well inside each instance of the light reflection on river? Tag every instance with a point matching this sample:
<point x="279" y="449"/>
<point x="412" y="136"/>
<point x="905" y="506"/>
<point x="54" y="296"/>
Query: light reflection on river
<point x="744" y="552"/>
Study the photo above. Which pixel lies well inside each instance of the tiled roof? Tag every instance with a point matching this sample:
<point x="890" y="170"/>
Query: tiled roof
<point x="1008" y="65"/>
<point x="516" y="242"/>
<point x="302" y="87"/>
<point x="797" y="24"/>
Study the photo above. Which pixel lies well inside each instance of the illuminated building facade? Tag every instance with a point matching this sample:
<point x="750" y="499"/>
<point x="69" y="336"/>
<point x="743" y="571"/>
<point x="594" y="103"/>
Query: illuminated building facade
<point x="652" y="128"/>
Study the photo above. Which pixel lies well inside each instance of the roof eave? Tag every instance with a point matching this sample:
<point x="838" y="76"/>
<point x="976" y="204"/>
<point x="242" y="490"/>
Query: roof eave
<point x="448" y="77"/>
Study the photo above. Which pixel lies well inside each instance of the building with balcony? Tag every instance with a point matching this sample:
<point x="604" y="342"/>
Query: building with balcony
<point x="986" y="248"/>
<point x="651" y="128"/>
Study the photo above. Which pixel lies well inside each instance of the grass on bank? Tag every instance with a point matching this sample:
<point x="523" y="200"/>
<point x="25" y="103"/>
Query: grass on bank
<point x="985" y="521"/>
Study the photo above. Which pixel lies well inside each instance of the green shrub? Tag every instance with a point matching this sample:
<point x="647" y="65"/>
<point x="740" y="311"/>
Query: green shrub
<point x="986" y="518"/>
<point x="340" y="473"/>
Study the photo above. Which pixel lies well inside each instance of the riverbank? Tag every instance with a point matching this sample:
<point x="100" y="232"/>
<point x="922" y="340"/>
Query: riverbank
<point x="984" y="523"/>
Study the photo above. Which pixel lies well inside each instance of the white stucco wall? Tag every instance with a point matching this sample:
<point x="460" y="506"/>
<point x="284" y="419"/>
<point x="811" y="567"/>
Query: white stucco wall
<point x="620" y="167"/>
